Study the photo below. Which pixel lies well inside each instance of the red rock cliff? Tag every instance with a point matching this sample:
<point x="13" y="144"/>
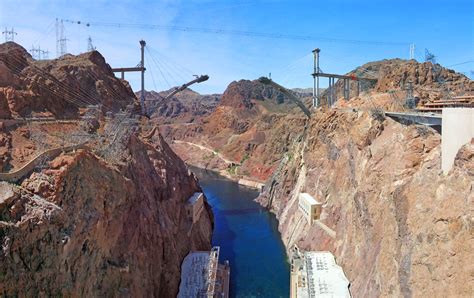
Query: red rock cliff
<point x="402" y="228"/>
<point x="84" y="227"/>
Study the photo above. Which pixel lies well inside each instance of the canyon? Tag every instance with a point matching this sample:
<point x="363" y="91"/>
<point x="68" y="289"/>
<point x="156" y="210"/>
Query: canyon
<point x="94" y="197"/>
<point x="395" y="223"/>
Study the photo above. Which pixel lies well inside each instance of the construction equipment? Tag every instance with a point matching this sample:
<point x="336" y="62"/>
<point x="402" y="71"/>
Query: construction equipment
<point x="198" y="79"/>
<point x="288" y="93"/>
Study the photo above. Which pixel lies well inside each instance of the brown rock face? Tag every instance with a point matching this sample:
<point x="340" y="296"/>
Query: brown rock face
<point x="402" y="227"/>
<point x="57" y="87"/>
<point x="252" y="126"/>
<point x="186" y="106"/>
<point x="430" y="81"/>
<point x="84" y="227"/>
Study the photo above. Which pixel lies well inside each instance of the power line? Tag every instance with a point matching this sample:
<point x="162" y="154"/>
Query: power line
<point x="461" y="63"/>
<point x="236" y="32"/>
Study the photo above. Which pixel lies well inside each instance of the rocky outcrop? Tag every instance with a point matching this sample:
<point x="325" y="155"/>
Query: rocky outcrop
<point x="252" y="126"/>
<point x="86" y="227"/>
<point x="184" y="107"/>
<point x="430" y="81"/>
<point x="57" y="87"/>
<point x="402" y="228"/>
<point x="5" y="148"/>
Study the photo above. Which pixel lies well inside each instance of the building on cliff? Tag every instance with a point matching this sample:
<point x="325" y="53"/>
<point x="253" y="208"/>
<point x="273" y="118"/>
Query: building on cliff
<point x="203" y="276"/>
<point x="316" y="274"/>
<point x="310" y="208"/>
<point x="195" y="206"/>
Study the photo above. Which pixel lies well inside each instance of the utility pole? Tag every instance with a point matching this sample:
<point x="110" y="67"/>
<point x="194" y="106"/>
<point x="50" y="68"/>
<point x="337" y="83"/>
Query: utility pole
<point x="316" y="78"/>
<point x="9" y="34"/>
<point x="61" y="40"/>
<point x="38" y="53"/>
<point x="412" y="51"/>
<point x="90" y="46"/>
<point x="142" y="95"/>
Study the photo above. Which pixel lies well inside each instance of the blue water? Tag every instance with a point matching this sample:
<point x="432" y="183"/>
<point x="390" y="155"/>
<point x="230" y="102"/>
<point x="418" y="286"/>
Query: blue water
<point x="248" y="237"/>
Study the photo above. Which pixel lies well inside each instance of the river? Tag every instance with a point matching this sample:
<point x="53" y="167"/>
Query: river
<point x="248" y="237"/>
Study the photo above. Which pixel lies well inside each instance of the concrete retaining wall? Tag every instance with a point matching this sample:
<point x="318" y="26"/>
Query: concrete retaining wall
<point x="16" y="175"/>
<point x="457" y="130"/>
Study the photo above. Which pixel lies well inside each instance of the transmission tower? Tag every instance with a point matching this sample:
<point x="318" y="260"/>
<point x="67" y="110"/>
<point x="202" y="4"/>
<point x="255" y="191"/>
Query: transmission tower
<point x="430" y="57"/>
<point x="90" y="46"/>
<point x="9" y="34"/>
<point x="38" y="53"/>
<point x="412" y="51"/>
<point x="61" y="40"/>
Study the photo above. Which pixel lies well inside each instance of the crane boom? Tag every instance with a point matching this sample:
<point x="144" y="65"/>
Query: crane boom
<point x="288" y="93"/>
<point x="184" y="86"/>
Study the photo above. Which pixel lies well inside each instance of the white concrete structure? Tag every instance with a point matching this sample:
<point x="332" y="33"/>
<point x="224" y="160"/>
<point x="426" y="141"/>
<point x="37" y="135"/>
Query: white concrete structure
<point x="457" y="129"/>
<point x="195" y="206"/>
<point x="316" y="274"/>
<point x="310" y="208"/>
<point x="203" y="276"/>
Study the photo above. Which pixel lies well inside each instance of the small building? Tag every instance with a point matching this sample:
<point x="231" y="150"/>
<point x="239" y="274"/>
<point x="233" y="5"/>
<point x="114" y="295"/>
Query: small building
<point x="195" y="205"/>
<point x="310" y="208"/>
<point x="316" y="274"/>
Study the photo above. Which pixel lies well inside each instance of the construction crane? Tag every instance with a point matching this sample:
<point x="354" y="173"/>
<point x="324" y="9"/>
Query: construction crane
<point x="288" y="93"/>
<point x="198" y="79"/>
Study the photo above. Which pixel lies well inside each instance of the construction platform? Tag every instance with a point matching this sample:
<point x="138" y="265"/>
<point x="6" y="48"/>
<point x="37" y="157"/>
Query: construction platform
<point x="203" y="276"/>
<point x="436" y="106"/>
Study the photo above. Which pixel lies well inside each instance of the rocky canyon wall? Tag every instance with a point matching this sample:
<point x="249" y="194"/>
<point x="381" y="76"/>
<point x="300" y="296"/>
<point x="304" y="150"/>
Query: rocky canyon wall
<point x="108" y="219"/>
<point x="85" y="227"/>
<point x="402" y="228"/>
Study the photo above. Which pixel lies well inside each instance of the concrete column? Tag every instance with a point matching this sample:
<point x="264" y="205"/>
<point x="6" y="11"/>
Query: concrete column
<point x="316" y="78"/>
<point x="346" y="89"/>
<point x="457" y="129"/>
<point x="142" y="97"/>
<point x="333" y="97"/>
<point x="330" y="92"/>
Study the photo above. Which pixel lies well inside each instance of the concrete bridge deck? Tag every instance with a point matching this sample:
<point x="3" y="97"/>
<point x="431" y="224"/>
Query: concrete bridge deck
<point x="430" y="119"/>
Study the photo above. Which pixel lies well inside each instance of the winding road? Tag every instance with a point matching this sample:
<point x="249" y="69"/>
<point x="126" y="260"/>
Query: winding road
<point x="207" y="149"/>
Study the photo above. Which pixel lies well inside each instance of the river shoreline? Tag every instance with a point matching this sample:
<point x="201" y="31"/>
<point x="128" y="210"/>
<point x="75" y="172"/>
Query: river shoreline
<point x="244" y="181"/>
<point x="248" y="237"/>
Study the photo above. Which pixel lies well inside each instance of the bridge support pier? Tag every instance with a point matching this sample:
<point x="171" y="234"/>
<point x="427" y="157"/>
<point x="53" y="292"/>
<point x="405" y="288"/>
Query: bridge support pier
<point x="316" y="100"/>
<point x="331" y="93"/>
<point x="457" y="130"/>
<point x="346" y="89"/>
<point x="141" y="68"/>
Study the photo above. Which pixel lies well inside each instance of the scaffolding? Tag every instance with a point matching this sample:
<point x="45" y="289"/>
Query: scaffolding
<point x="212" y="271"/>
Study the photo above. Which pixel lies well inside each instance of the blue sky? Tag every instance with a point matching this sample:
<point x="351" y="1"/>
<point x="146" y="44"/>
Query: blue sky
<point x="444" y="27"/>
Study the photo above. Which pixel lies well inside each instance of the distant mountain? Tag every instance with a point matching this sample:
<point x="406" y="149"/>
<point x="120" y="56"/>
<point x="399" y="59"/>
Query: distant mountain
<point x="184" y="106"/>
